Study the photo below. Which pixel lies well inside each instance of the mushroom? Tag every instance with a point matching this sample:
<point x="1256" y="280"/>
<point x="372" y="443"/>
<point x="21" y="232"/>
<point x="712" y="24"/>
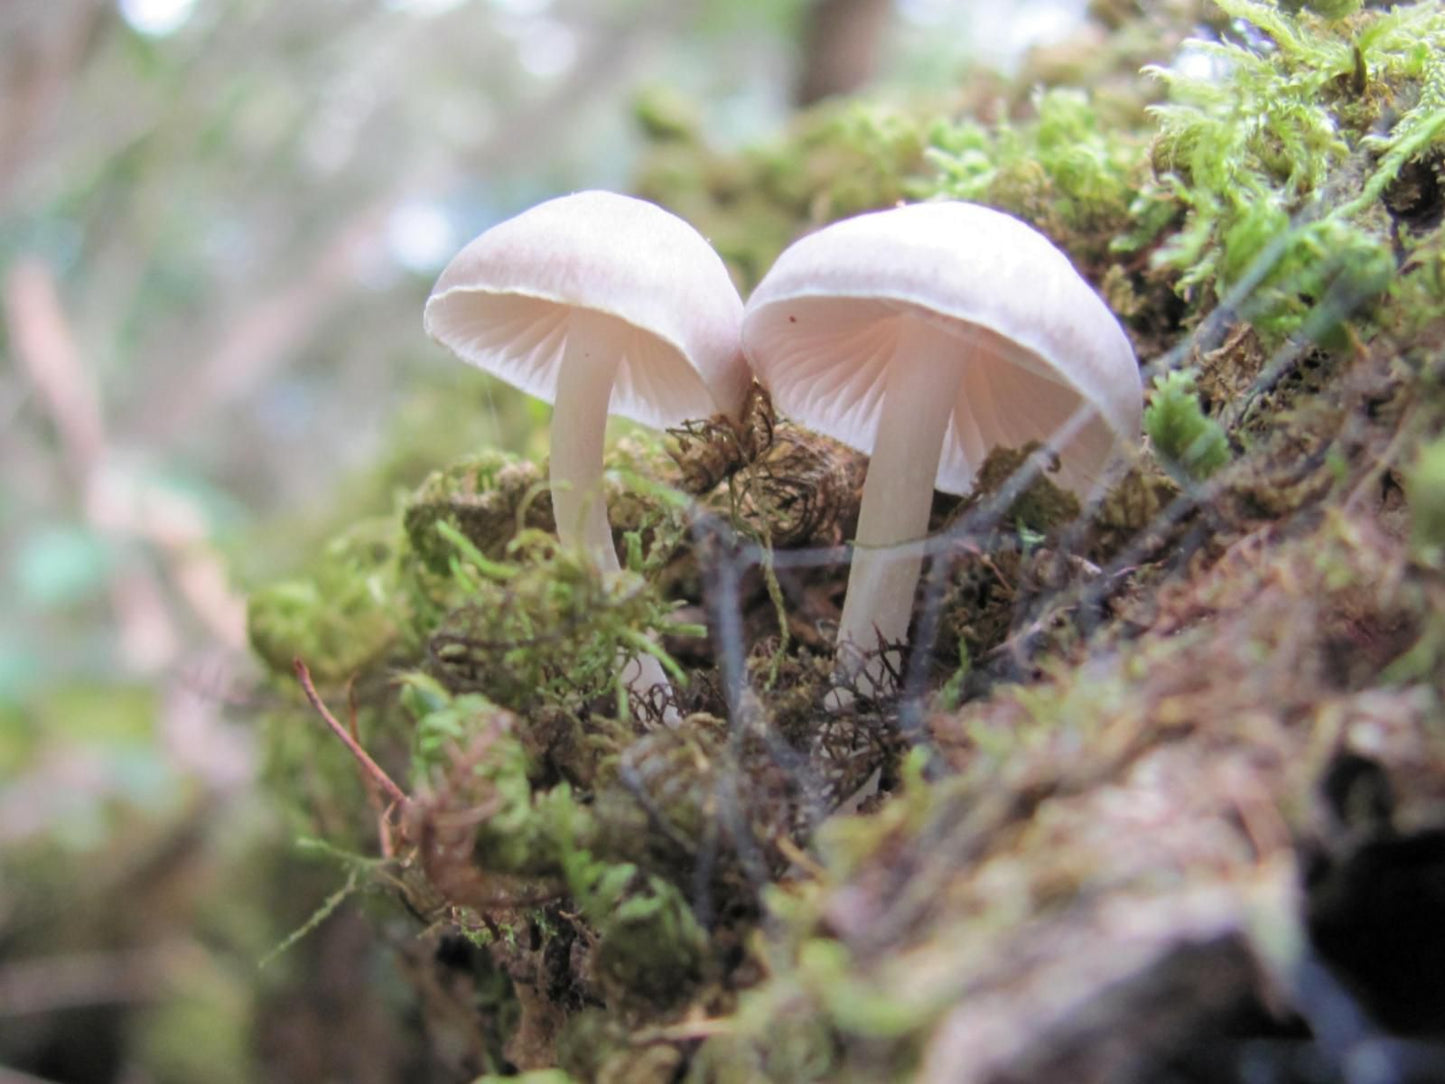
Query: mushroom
<point x="927" y="335"/>
<point x="600" y="304"/>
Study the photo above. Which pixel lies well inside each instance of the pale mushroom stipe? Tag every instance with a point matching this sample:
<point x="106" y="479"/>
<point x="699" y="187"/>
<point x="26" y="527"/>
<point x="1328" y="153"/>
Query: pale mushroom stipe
<point x="600" y="304"/>
<point x="926" y="336"/>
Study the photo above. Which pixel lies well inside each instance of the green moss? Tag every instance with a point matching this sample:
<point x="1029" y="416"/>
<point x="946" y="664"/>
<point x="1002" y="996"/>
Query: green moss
<point x="1192" y="445"/>
<point x="1040" y="508"/>
<point x="1274" y="157"/>
<point x="838" y="159"/>
<point x="488" y="497"/>
<point x="1077" y="180"/>
<point x="543" y="627"/>
<point x="648" y="946"/>
<point x="665" y="115"/>
<point x="1425" y="487"/>
<point x="578" y="834"/>
<point x="844" y="159"/>
<point x="1329" y="9"/>
<point x="1270" y="166"/>
<point x="343" y="616"/>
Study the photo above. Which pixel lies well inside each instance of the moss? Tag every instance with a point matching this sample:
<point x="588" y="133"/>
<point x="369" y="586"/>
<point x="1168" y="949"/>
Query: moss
<point x="1132" y="701"/>
<point x="665" y="115"/>
<point x="1276" y="163"/>
<point x="342" y="617"/>
<point x="1041" y="507"/>
<point x="546" y="833"/>
<point x="1076" y="180"/>
<point x="650" y="947"/>
<point x="1191" y="445"/>
<point x="1425" y="487"/>
<point x="838" y="159"/>
<point x="1329" y="9"/>
<point x="489" y="498"/>
<point x="547" y="626"/>
<point x="204" y="1035"/>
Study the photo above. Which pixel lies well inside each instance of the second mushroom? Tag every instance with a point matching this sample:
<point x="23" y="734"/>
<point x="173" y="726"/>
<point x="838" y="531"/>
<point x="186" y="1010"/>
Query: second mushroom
<point x="600" y="304"/>
<point x="926" y="336"/>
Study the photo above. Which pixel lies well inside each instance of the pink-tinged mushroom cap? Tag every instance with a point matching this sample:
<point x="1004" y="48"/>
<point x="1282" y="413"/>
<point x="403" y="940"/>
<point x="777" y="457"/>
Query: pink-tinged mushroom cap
<point x="927" y="336"/>
<point x="600" y="304"/>
<point x="1033" y="339"/>
<point x="504" y="303"/>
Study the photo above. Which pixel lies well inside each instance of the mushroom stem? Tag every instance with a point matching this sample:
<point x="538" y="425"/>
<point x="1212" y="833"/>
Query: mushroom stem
<point x="595" y="347"/>
<point x="593" y="354"/>
<point x="918" y="400"/>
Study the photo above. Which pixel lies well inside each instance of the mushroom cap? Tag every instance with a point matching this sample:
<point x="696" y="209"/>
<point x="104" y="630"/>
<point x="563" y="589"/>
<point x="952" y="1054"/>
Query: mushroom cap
<point x="502" y="304"/>
<point x="1034" y="338"/>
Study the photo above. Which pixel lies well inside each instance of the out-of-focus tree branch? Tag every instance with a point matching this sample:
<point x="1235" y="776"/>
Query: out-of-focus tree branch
<point x="43" y="45"/>
<point x="44" y="348"/>
<point x="113" y="503"/>
<point x="253" y="346"/>
<point x="841" y="41"/>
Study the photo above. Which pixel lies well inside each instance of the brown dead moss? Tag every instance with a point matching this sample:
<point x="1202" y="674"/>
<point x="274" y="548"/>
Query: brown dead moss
<point x="489" y="498"/>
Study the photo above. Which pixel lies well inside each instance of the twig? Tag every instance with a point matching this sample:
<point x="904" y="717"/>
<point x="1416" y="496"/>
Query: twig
<point x="382" y="810"/>
<point x="373" y="770"/>
<point x="684" y="1031"/>
<point x="46" y="350"/>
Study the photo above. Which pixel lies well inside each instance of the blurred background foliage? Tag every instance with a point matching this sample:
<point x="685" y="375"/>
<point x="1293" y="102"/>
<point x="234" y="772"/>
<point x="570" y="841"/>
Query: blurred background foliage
<point x="218" y="222"/>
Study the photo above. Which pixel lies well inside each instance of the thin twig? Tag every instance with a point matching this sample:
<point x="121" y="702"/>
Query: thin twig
<point x="382" y="810"/>
<point x="46" y="350"/>
<point x="684" y="1031"/>
<point x="373" y="770"/>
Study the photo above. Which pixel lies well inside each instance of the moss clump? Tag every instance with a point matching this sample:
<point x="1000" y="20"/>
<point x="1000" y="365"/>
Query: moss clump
<point x="489" y="498"/>
<point x="1125" y="708"/>
<point x="1040" y="508"/>
<point x="343" y="617"/>
<point x="650" y="948"/>
<point x="1425" y="488"/>
<point x="1328" y="9"/>
<point x="1077" y="180"/>
<point x="1190" y="444"/>
<point x="838" y="159"/>
<point x="1276" y="159"/>
<point x="545" y="627"/>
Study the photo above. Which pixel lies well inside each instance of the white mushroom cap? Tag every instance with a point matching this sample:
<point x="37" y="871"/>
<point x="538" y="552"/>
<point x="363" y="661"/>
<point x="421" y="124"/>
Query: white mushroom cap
<point x="600" y="304"/>
<point x="926" y="336"/>
<point x="503" y="302"/>
<point x="1035" y="341"/>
